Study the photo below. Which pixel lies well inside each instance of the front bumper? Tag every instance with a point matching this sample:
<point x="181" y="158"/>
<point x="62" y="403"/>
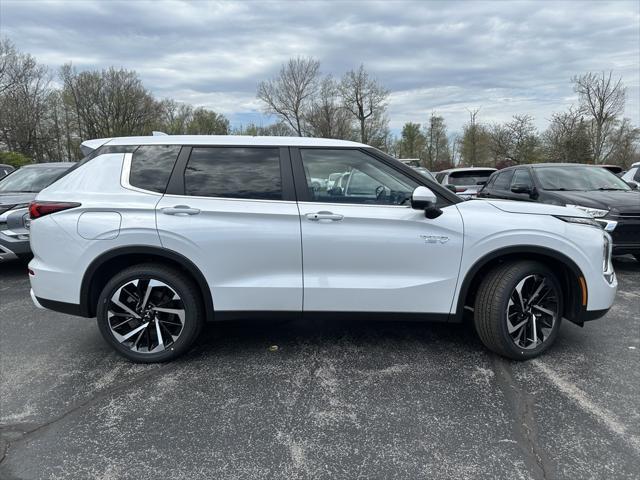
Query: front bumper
<point x="626" y="234"/>
<point x="13" y="245"/>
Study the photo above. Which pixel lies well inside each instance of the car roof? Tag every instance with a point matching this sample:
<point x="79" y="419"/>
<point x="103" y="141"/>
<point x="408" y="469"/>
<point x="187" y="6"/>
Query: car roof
<point x="240" y="140"/>
<point x="50" y="164"/>
<point x="466" y="169"/>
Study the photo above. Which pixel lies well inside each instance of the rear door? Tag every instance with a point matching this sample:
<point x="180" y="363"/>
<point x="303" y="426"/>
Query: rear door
<point x="364" y="248"/>
<point x="232" y="211"/>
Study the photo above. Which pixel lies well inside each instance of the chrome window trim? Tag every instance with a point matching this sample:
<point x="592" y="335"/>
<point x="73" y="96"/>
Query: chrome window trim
<point x="229" y="199"/>
<point x="345" y="204"/>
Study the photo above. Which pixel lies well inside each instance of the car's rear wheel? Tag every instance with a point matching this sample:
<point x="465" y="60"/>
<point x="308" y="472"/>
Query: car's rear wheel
<point x="150" y="313"/>
<point x="518" y="309"/>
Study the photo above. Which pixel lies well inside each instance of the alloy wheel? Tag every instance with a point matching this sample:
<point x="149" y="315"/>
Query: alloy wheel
<point x="532" y="311"/>
<point x="146" y="315"/>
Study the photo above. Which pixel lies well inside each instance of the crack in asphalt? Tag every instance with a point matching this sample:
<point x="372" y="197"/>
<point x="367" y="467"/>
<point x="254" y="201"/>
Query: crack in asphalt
<point x="12" y="434"/>
<point x="524" y="423"/>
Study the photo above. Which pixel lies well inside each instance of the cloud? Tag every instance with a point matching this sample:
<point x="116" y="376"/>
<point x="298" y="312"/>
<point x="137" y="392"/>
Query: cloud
<point x="505" y="57"/>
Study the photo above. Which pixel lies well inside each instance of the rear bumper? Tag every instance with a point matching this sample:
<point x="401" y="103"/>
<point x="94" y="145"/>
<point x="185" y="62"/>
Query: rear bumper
<point x="55" y="306"/>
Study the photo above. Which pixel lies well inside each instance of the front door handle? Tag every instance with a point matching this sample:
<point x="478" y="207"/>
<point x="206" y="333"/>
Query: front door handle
<point x="180" y="210"/>
<point x="315" y="217"/>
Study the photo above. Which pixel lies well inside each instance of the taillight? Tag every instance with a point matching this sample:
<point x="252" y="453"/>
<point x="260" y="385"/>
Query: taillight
<point x="460" y="189"/>
<point x="40" y="209"/>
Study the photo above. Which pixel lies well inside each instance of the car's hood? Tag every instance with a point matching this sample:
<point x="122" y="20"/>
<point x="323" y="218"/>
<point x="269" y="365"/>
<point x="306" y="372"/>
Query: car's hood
<point x="16" y="198"/>
<point x="533" y="208"/>
<point x="602" y="199"/>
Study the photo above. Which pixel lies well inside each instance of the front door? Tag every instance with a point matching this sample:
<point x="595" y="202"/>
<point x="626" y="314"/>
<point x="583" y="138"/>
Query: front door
<point x="364" y="248"/>
<point x="234" y="216"/>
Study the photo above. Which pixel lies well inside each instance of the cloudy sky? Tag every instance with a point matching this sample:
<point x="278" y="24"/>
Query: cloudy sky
<point x="505" y="57"/>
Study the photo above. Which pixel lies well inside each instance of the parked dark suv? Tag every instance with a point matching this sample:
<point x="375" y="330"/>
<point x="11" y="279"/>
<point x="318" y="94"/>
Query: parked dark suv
<point x="611" y="201"/>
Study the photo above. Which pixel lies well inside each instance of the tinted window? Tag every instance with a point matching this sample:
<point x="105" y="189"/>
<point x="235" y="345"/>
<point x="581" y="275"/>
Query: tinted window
<point x="232" y="172"/>
<point x="522" y="177"/>
<point x="636" y="178"/>
<point x="152" y="165"/>
<point x="503" y="180"/>
<point x="469" y="177"/>
<point x="350" y="176"/>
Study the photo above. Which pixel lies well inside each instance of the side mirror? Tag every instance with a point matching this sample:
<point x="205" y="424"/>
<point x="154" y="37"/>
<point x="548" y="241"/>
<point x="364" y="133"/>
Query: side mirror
<point x="632" y="184"/>
<point x="423" y="198"/>
<point x="521" y="188"/>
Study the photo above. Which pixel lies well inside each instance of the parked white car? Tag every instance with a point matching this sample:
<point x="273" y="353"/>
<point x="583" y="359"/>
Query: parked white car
<point x="633" y="174"/>
<point x="156" y="235"/>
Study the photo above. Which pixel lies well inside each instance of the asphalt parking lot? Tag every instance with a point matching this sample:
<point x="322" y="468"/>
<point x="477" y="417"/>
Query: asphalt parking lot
<point x="334" y="400"/>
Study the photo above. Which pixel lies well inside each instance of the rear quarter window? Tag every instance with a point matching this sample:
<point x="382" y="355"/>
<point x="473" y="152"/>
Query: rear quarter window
<point x="152" y="165"/>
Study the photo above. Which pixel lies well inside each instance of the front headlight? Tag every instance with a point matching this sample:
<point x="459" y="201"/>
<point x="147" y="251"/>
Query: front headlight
<point x="594" y="212"/>
<point x="589" y="222"/>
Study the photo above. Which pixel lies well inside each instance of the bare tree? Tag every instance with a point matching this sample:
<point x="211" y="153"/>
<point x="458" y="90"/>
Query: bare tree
<point x="626" y="144"/>
<point x="602" y="98"/>
<point x="567" y="138"/>
<point x="516" y="141"/>
<point x="366" y="99"/>
<point x="24" y="102"/>
<point x="207" y="122"/>
<point x="289" y="95"/>
<point x="109" y="103"/>
<point x="327" y="117"/>
<point x="174" y="117"/>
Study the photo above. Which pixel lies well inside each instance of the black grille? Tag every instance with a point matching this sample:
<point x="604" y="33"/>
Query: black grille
<point x="626" y="233"/>
<point x="629" y="215"/>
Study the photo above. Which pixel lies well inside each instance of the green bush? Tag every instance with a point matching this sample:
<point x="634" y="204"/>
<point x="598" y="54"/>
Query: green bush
<point x="14" y="159"/>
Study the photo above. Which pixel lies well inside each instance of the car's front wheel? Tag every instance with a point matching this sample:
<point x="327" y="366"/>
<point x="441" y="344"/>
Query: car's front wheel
<point x="150" y="313"/>
<point x="518" y="309"/>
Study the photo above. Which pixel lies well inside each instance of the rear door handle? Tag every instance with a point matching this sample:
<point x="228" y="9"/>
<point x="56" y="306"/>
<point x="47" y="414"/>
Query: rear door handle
<point x="180" y="210"/>
<point x="315" y="217"/>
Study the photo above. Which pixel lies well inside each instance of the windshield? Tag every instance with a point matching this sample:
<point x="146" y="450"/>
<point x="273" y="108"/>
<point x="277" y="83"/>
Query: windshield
<point x="470" y="177"/>
<point x="582" y="178"/>
<point x="30" y="179"/>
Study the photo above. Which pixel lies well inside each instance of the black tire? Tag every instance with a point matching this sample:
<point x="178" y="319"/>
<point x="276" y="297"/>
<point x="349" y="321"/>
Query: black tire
<point x="492" y="303"/>
<point x="188" y="294"/>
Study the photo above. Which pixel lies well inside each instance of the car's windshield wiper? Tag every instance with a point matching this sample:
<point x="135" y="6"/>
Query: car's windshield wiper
<point x="563" y="189"/>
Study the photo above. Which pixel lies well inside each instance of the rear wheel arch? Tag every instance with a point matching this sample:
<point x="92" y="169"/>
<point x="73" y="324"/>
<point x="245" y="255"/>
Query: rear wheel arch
<point x="565" y="269"/>
<point x="102" y="269"/>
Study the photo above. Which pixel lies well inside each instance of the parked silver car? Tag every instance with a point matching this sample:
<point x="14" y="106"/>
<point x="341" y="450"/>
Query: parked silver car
<point x="465" y="182"/>
<point x="16" y="191"/>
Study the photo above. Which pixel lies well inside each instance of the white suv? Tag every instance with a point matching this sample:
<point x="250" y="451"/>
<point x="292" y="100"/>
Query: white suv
<point x="156" y="235"/>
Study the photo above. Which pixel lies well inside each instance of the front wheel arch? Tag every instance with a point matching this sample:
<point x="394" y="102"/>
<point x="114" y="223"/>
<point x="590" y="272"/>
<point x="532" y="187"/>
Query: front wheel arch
<point x="568" y="273"/>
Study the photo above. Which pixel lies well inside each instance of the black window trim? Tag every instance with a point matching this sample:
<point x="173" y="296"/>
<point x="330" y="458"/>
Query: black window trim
<point x="445" y="196"/>
<point x="176" y="185"/>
